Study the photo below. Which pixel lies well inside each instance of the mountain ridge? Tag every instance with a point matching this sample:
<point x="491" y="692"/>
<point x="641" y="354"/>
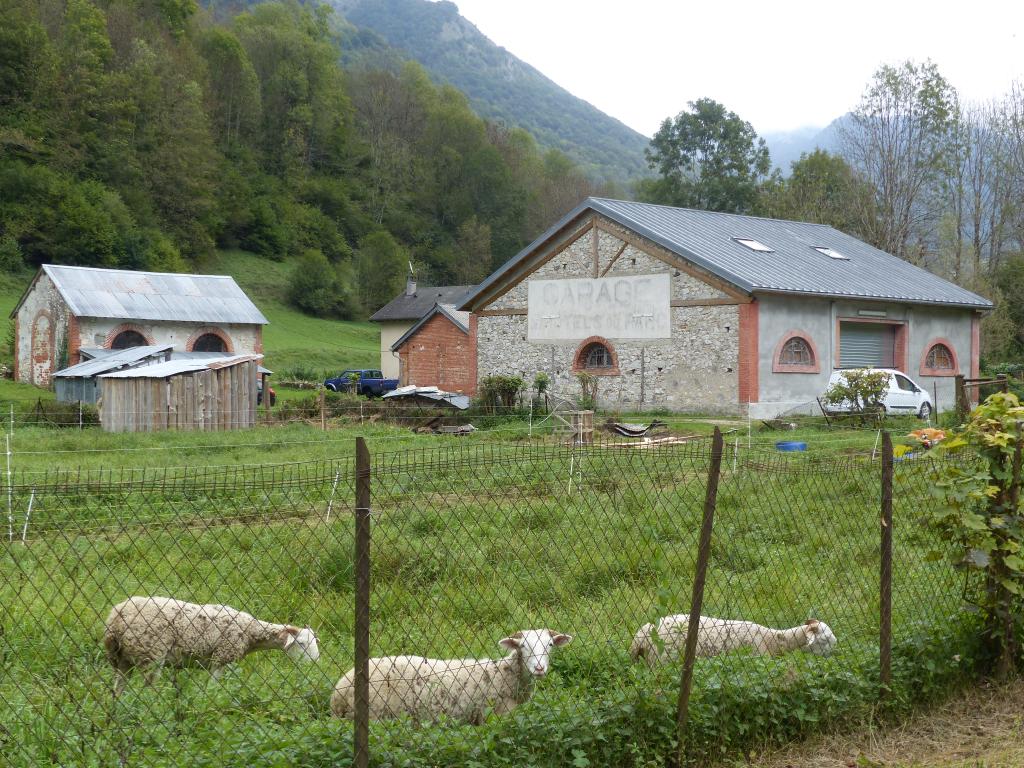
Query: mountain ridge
<point x="499" y="85"/>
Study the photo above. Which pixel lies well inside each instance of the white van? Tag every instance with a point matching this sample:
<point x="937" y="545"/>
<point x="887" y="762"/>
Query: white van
<point x="902" y="396"/>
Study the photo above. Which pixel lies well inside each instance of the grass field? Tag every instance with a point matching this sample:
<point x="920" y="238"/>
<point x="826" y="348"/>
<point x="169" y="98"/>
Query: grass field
<point x="470" y="542"/>
<point x="294" y="341"/>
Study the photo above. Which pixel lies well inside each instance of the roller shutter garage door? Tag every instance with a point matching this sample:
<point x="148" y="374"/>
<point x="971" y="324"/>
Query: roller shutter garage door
<point x="866" y="345"/>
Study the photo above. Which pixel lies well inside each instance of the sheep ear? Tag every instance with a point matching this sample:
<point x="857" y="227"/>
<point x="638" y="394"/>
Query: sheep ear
<point x="287" y="637"/>
<point x="511" y="643"/>
<point x="560" y="639"/>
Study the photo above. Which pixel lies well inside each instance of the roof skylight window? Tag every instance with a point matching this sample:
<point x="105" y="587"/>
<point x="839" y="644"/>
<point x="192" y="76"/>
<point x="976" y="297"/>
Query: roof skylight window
<point x="831" y="252"/>
<point x="753" y="245"/>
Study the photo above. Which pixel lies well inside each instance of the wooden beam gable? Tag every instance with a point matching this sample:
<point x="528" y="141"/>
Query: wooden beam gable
<point x="593" y="224"/>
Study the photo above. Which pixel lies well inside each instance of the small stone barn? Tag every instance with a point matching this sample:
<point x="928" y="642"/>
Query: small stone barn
<point x="65" y="311"/>
<point x="439" y="351"/>
<point x="697" y="311"/>
<point x="406" y="310"/>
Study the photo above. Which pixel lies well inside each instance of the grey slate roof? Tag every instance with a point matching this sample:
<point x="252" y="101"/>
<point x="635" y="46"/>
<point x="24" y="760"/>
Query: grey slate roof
<point x="793" y="266"/>
<point x="404" y="307"/>
<point x="459" y="318"/>
<point x="128" y="295"/>
<point x="114" y="360"/>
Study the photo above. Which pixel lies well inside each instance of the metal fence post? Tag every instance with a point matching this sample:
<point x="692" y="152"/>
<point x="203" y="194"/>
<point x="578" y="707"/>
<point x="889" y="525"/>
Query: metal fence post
<point x="885" y="581"/>
<point x="697" y="600"/>
<point x="361" y="738"/>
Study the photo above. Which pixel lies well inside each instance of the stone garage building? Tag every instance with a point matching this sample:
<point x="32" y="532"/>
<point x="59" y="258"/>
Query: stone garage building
<point x="698" y="311"/>
<point x="67" y="310"/>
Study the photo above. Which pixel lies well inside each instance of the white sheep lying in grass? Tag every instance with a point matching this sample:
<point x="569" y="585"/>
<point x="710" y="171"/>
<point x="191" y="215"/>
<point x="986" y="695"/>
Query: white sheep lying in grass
<point x="464" y="689"/>
<point x="717" y="636"/>
<point x="152" y="632"/>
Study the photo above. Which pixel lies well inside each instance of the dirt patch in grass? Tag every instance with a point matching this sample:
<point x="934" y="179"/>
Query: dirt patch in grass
<point x="981" y="728"/>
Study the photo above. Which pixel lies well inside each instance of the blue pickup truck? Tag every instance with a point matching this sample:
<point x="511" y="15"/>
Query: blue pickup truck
<point x="368" y="381"/>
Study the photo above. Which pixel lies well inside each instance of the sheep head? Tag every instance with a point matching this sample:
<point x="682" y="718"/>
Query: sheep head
<point x="820" y="637"/>
<point x="534" y="647"/>
<point x="299" y="643"/>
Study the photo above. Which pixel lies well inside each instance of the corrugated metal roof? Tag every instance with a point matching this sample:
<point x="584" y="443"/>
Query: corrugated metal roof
<point x="793" y="266"/>
<point x="209" y="356"/>
<point x="117" y="358"/>
<point x="128" y="295"/>
<point x="406" y="307"/>
<point x="175" y="367"/>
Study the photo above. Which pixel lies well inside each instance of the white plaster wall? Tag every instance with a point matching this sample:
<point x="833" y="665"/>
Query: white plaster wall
<point x="796" y="392"/>
<point x="244" y="338"/>
<point x="390" y="332"/>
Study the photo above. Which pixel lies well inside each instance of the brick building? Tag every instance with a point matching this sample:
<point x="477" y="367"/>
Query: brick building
<point x="439" y="351"/>
<point x="68" y="310"/>
<point x="698" y="311"/>
<point x="406" y="310"/>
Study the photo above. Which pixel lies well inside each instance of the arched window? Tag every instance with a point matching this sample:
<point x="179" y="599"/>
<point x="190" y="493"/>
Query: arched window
<point x="596" y="355"/>
<point x="796" y="351"/>
<point x="209" y="342"/>
<point x="127" y="340"/>
<point x="940" y="358"/>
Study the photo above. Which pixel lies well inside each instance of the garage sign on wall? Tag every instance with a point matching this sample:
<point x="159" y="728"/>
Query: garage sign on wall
<point x="633" y="307"/>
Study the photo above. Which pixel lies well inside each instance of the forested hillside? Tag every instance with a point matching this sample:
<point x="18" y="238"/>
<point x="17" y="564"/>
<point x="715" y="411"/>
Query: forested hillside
<point x="499" y="85"/>
<point x="148" y="133"/>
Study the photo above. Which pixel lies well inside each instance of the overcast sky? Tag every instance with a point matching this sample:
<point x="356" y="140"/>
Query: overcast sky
<point x="781" y="65"/>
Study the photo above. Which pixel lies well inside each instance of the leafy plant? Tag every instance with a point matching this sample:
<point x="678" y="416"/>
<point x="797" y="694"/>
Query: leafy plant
<point x="500" y="391"/>
<point x="979" y="514"/>
<point x="541" y="383"/>
<point x="588" y="385"/>
<point x="860" y="390"/>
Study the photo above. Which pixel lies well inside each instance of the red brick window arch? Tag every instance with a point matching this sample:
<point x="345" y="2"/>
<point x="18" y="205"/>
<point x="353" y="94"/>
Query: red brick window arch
<point x="939" y="359"/>
<point x="127" y="336"/>
<point x="596" y="355"/>
<point x="209" y="339"/>
<point x="796" y="353"/>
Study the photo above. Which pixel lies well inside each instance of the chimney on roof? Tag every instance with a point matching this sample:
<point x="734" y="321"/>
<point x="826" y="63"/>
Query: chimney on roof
<point x="410" y="282"/>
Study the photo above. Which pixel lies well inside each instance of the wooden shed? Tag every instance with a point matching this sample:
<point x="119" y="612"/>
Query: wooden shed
<point x="80" y="383"/>
<point x="212" y="394"/>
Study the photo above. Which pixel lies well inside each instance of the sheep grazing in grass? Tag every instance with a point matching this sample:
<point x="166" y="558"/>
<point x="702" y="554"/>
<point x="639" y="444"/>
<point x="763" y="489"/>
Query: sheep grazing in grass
<point x="152" y="632"/>
<point x="464" y="689"/>
<point x="722" y="635"/>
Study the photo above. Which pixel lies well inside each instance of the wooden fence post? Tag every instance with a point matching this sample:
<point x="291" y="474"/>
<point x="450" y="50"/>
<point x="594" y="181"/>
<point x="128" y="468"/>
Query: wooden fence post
<point x="323" y="411"/>
<point x="1004" y="382"/>
<point x="960" y="403"/>
<point x="885" y="580"/>
<point x="697" y="599"/>
<point x="361" y="736"/>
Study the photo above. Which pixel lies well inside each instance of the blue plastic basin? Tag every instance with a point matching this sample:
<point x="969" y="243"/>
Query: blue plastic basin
<point x="790" y="445"/>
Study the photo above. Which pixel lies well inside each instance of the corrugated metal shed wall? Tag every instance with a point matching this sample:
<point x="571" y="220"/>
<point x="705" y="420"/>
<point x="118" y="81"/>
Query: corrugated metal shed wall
<point x="74" y="390"/>
<point x="207" y="399"/>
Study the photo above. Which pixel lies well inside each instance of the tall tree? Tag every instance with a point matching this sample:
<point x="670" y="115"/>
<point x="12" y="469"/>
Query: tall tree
<point x="897" y="138"/>
<point x="820" y="188"/>
<point x="707" y="158"/>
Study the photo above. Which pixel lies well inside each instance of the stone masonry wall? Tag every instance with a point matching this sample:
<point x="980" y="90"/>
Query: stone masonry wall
<point x="41" y="347"/>
<point x="694" y="370"/>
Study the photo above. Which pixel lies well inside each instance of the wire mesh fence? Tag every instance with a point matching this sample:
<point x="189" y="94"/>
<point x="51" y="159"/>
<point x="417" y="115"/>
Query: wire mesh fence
<point x="544" y="591"/>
